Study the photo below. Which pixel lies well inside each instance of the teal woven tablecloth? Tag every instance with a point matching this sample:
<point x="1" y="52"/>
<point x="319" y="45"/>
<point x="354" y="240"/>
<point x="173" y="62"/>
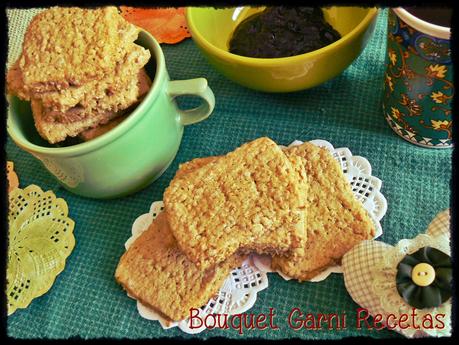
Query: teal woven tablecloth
<point x="86" y="301"/>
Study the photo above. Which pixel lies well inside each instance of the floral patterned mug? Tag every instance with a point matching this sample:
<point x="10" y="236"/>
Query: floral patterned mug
<point x="418" y="86"/>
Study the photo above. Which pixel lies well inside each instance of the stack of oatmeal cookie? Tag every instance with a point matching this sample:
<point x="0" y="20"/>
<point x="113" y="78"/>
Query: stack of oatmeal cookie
<point x="293" y="204"/>
<point x="80" y="68"/>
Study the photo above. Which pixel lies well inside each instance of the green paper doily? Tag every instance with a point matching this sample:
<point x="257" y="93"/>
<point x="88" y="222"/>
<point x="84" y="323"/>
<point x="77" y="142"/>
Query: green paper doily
<point x="40" y="240"/>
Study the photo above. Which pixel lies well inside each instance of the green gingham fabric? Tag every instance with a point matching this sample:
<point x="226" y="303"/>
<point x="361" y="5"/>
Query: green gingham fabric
<point x="85" y="300"/>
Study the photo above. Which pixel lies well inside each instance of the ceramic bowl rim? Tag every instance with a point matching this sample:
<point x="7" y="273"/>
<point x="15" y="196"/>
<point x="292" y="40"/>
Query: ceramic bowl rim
<point x="224" y="54"/>
<point x="423" y="26"/>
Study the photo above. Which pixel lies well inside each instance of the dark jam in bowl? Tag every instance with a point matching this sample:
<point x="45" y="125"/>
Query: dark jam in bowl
<point x="282" y="31"/>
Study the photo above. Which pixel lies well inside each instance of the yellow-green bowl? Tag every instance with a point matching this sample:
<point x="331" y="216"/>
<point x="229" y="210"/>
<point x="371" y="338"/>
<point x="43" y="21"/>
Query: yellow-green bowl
<point x="211" y="29"/>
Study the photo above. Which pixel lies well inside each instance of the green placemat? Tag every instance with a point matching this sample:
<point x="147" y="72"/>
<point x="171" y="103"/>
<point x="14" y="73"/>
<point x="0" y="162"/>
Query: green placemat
<point x="85" y="300"/>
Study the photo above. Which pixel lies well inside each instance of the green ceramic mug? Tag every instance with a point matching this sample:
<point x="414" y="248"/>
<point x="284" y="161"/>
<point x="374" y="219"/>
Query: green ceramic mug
<point x="131" y="155"/>
<point x="418" y="87"/>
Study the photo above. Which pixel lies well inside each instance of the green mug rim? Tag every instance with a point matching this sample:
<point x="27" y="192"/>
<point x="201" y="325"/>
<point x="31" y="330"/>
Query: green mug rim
<point x="113" y="134"/>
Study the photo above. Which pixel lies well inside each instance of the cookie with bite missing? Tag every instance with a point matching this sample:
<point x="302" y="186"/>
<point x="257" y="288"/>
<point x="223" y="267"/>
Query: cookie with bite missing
<point x="249" y="199"/>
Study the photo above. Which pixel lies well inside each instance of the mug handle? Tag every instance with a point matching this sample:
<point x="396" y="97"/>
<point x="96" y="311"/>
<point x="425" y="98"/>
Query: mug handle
<point x="193" y="87"/>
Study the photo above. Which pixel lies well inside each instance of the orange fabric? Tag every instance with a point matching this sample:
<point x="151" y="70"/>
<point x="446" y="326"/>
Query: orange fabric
<point x="13" y="181"/>
<point x="167" y="25"/>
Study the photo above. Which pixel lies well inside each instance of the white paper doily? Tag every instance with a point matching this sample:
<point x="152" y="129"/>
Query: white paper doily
<point x="366" y="188"/>
<point x="237" y="295"/>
